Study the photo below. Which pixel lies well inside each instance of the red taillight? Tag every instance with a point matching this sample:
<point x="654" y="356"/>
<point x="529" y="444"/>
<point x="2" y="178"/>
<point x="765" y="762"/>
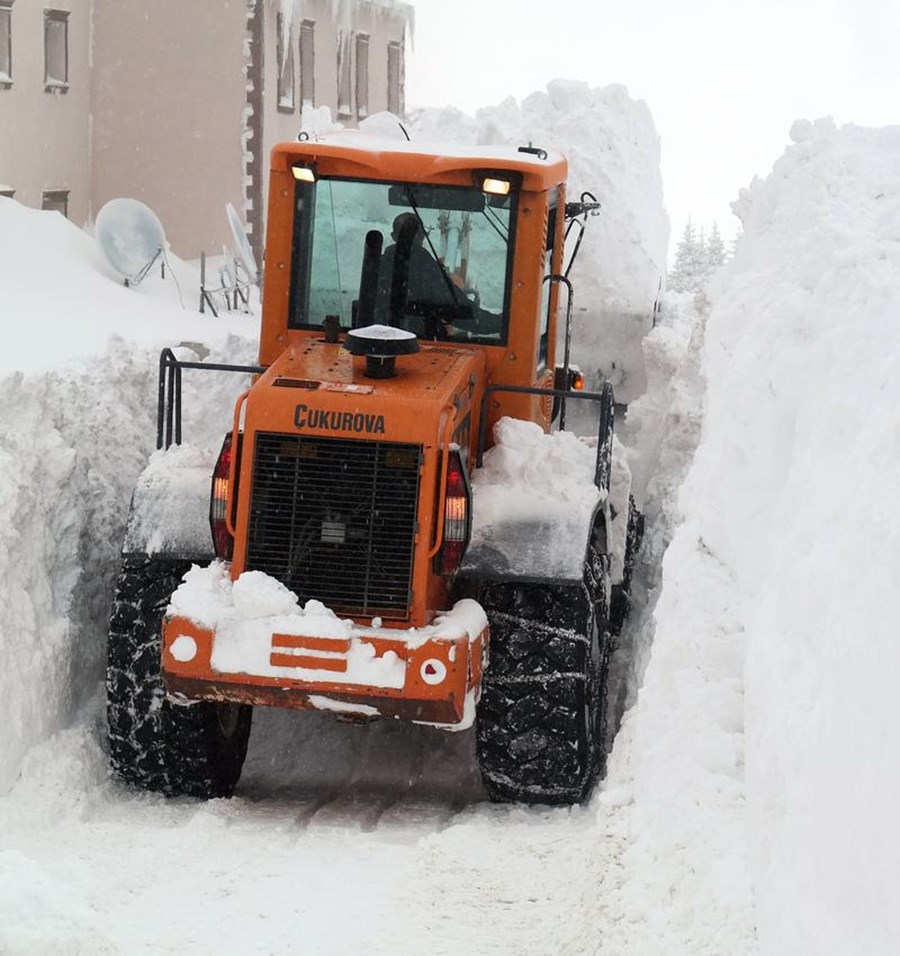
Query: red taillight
<point x="218" y="502"/>
<point x="457" y="516"/>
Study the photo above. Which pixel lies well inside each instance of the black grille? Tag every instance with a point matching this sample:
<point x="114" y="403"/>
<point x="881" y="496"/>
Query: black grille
<point x="334" y="519"/>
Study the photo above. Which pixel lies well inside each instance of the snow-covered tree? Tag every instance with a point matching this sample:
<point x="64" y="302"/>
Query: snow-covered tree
<point x="715" y="249"/>
<point x="684" y="276"/>
<point x="696" y="259"/>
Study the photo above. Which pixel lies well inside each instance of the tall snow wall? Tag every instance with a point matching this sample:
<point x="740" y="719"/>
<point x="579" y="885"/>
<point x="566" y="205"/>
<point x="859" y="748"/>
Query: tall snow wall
<point x="613" y="151"/>
<point x="804" y="403"/>
<point x="77" y="423"/>
<point x="779" y="608"/>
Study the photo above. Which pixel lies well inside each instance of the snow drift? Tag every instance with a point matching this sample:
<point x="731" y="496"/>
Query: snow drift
<point x="803" y="361"/>
<point x="75" y="436"/>
<point x="771" y="684"/>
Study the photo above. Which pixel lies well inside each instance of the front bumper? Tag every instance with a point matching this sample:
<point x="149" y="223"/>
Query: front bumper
<point x="377" y="672"/>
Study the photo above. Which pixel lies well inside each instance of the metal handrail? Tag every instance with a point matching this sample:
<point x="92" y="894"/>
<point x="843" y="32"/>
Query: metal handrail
<point x="603" y="466"/>
<point x="567" y="352"/>
<point x="168" y="412"/>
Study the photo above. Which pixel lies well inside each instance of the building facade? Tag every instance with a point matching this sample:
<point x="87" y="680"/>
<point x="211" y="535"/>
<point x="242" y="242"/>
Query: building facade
<point x="179" y="103"/>
<point x="45" y="77"/>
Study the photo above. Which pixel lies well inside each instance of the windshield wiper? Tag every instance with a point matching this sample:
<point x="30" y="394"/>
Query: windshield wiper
<point x="497" y="223"/>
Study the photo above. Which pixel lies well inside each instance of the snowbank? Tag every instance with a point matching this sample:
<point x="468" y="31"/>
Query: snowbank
<point x="804" y="370"/>
<point x="533" y="502"/>
<point x="68" y="457"/>
<point x="764" y="745"/>
<point x="613" y="151"/>
<point x="62" y="302"/>
<point x="76" y="434"/>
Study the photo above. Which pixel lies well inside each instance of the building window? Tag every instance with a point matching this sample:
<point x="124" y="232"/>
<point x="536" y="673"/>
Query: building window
<point x="307" y="63"/>
<point x="56" y="50"/>
<point x="285" y="66"/>
<point x="343" y="68"/>
<point x="362" y="75"/>
<point x="5" y="44"/>
<point x="56" y="200"/>
<point x="395" y="78"/>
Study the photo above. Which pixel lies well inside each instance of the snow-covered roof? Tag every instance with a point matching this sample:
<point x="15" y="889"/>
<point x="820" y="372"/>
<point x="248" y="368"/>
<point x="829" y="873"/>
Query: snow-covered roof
<point x="372" y="143"/>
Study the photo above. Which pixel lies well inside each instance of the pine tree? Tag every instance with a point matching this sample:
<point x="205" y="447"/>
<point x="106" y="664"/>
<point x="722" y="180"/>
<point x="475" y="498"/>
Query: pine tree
<point x="696" y="259"/>
<point x="681" y="278"/>
<point x="715" y="249"/>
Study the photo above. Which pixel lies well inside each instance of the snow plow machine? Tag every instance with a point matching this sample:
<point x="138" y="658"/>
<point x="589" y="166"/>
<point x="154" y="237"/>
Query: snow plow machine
<point x="326" y="560"/>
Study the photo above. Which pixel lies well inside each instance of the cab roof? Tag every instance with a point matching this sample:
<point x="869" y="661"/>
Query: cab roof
<point x="354" y="154"/>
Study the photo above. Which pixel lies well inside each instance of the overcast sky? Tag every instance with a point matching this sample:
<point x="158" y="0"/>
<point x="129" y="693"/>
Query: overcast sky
<point x="724" y="79"/>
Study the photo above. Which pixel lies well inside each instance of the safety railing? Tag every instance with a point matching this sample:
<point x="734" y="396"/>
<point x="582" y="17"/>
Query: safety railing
<point x="603" y="467"/>
<point x="168" y="413"/>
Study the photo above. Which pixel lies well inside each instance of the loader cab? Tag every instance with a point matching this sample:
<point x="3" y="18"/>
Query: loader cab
<point x="481" y="223"/>
<point x="431" y="259"/>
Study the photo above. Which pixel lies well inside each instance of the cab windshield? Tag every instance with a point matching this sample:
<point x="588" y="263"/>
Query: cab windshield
<point x="434" y="260"/>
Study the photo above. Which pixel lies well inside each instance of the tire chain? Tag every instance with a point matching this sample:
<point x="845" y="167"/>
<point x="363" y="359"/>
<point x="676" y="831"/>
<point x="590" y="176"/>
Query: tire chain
<point x="532" y="740"/>
<point x="154" y="743"/>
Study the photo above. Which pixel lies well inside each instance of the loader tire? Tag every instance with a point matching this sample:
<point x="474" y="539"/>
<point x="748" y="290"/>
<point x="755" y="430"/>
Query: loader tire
<point x="620" y="604"/>
<point x="155" y="744"/>
<point x="540" y="721"/>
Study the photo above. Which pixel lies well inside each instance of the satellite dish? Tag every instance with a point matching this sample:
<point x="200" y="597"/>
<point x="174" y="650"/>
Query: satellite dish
<point x="131" y="237"/>
<point x="242" y="246"/>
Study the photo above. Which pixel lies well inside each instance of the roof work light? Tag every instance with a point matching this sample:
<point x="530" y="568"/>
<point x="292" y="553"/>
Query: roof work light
<point x="495" y="186"/>
<point x="303" y="174"/>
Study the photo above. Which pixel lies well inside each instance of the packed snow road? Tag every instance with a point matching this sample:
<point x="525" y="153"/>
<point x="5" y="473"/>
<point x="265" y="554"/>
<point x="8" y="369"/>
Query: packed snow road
<point x="341" y="839"/>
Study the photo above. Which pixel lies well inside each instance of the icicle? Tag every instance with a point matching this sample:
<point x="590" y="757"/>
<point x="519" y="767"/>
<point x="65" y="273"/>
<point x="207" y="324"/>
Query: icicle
<point x="342" y="14"/>
<point x="410" y="14"/>
<point x="289" y="10"/>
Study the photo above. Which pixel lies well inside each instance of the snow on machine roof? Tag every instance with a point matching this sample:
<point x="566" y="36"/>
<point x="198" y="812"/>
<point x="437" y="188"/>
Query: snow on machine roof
<point x="371" y="156"/>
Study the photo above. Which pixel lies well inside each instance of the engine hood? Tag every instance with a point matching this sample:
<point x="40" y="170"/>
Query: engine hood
<point x="319" y="388"/>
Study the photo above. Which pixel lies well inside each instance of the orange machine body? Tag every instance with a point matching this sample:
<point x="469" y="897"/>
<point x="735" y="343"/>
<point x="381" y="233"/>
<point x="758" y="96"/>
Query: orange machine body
<point x="314" y="407"/>
<point x="542" y="185"/>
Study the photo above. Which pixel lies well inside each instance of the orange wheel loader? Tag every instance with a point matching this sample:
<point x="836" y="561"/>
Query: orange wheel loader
<point x="410" y="303"/>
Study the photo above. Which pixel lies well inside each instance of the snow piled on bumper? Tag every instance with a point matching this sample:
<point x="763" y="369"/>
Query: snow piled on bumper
<point x="244" y="614"/>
